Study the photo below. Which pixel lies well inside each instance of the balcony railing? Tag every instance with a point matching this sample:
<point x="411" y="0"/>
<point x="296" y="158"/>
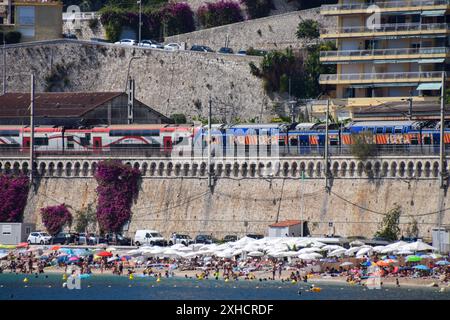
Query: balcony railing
<point x="385" y="52"/>
<point x="396" y="27"/>
<point x="382" y="77"/>
<point x="80" y="16"/>
<point x="383" y="5"/>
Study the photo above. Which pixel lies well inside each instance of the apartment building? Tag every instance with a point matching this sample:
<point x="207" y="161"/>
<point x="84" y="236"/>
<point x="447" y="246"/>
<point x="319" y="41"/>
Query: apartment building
<point x="389" y="53"/>
<point x="34" y="19"/>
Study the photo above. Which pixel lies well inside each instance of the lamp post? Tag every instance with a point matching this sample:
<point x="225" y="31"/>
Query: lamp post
<point x="140" y="19"/>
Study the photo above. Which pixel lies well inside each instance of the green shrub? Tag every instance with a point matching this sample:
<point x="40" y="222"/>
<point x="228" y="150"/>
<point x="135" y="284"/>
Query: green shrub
<point x="389" y="226"/>
<point x="93" y="23"/>
<point x="179" y="118"/>
<point x="308" y="29"/>
<point x="363" y="146"/>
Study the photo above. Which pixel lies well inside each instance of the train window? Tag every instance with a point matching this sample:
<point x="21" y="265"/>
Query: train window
<point x="414" y="141"/>
<point x="398" y="130"/>
<point x="9" y="133"/>
<point x="389" y="130"/>
<point x="333" y="142"/>
<point x="294" y="142"/>
<point x="41" y="141"/>
<point x="69" y="138"/>
<point x="379" y="130"/>
<point x="85" y="141"/>
<point x="369" y="129"/>
<point x="426" y="140"/>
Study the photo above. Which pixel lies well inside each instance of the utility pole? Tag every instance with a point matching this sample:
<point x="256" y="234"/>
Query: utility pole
<point x="410" y="99"/>
<point x="130" y="101"/>
<point x="326" y="145"/>
<point x="140" y="19"/>
<point x="32" y="130"/>
<point x="4" y="63"/>
<point x="210" y="182"/>
<point x="443" y="169"/>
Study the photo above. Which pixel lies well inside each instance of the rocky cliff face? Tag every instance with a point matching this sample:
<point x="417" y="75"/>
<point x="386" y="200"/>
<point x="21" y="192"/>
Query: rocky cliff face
<point x="170" y="82"/>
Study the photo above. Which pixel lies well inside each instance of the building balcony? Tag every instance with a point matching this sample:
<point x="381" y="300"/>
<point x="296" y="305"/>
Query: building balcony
<point x="385" y="7"/>
<point x="387" y="78"/>
<point x="400" y="30"/>
<point x="388" y="55"/>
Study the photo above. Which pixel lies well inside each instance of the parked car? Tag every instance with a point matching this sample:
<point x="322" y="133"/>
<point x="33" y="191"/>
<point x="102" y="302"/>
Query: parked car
<point x="149" y="237"/>
<point x="150" y="44"/>
<point x="230" y="238"/>
<point x="225" y="50"/>
<point x="70" y="36"/>
<point x="172" y="46"/>
<point x="117" y="239"/>
<point x="39" y="238"/>
<point x="206" y="239"/>
<point x="92" y="239"/>
<point x="64" y="238"/>
<point x="255" y="236"/>
<point x="201" y="48"/>
<point x="181" y="238"/>
<point x="242" y="52"/>
<point x="127" y="42"/>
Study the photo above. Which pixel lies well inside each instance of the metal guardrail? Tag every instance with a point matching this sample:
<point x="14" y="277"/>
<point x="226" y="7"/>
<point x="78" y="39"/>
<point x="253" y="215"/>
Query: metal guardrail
<point x="384" y="5"/>
<point x="396" y="27"/>
<point x="237" y="153"/>
<point x="384" y="52"/>
<point x="381" y="76"/>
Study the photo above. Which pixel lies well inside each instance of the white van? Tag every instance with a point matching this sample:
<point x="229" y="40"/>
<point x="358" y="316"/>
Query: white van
<point x="149" y="237"/>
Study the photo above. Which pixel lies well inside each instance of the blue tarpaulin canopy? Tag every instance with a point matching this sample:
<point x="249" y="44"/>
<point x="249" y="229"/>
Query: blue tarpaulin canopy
<point x="421" y="267"/>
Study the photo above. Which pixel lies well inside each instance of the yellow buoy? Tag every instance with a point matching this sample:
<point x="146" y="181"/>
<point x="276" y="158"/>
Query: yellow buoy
<point x="316" y="289"/>
<point x="64" y="276"/>
<point x="226" y="280"/>
<point x="293" y="281"/>
<point x="131" y="277"/>
<point x="158" y="280"/>
<point x="25" y="280"/>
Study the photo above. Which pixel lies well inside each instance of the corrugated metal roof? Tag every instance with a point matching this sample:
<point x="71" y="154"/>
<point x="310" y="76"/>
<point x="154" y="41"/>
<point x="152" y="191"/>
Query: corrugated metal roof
<point x="53" y="104"/>
<point x="286" y="223"/>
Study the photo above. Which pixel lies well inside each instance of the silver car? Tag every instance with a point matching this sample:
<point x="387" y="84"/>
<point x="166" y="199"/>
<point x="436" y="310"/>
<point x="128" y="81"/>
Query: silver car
<point x="127" y="42"/>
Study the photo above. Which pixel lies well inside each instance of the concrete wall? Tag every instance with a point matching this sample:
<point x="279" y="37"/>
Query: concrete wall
<point x="186" y="205"/>
<point x="170" y="82"/>
<point x="83" y="31"/>
<point x="182" y="202"/>
<point x="275" y="32"/>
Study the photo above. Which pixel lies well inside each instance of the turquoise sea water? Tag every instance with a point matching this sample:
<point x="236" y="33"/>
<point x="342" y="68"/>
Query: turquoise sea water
<point x="106" y="287"/>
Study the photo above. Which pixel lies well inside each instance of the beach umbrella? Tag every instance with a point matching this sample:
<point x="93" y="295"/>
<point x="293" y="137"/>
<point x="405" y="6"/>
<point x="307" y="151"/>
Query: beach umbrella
<point x="110" y="249"/>
<point x="390" y="261"/>
<point x="435" y="256"/>
<point x="66" y="250"/>
<point x="421" y="267"/>
<point x="81" y="252"/>
<point x="365" y="250"/>
<point x="3" y="255"/>
<point x="366" y="263"/>
<point x="112" y="259"/>
<point x="331" y="247"/>
<point x="379" y="248"/>
<point x="337" y="252"/>
<point x="442" y="263"/>
<point x="307" y="256"/>
<point x="22" y="245"/>
<point x="125" y="258"/>
<point x="419" y="246"/>
<point x="382" y="263"/>
<point x="309" y="250"/>
<point x="55" y="248"/>
<point x="356" y="243"/>
<point x="404" y="252"/>
<point x="104" y="254"/>
<point x="352" y="251"/>
<point x="255" y="254"/>
<point x="134" y="252"/>
<point x="413" y="258"/>
<point x="345" y="264"/>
